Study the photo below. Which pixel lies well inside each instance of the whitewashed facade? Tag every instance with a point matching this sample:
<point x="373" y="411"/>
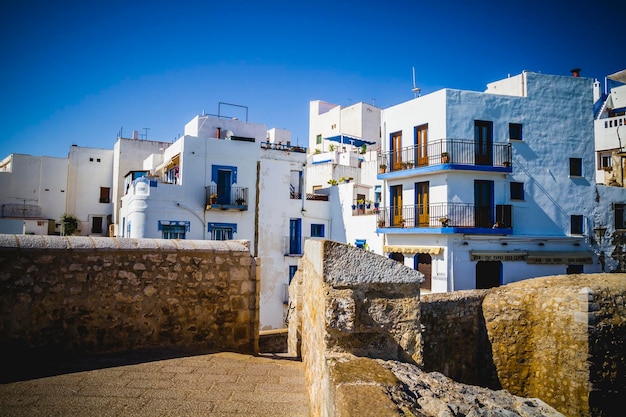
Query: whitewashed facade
<point x="229" y="179"/>
<point x="32" y="194"/>
<point x="484" y="189"/>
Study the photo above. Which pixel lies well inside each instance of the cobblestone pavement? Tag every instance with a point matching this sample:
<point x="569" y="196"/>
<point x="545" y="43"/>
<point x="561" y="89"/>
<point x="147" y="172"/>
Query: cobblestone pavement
<point x="221" y="384"/>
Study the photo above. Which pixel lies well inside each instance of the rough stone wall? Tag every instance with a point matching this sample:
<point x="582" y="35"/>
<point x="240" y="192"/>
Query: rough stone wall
<point x="561" y="339"/>
<point x="348" y="301"/>
<point x="82" y="294"/>
<point x="454" y="337"/>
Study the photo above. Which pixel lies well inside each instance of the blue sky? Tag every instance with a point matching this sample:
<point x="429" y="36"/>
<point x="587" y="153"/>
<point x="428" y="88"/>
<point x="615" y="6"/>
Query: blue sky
<point x="76" y="72"/>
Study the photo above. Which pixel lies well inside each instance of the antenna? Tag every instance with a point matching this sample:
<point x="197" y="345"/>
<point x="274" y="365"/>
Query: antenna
<point x="416" y="90"/>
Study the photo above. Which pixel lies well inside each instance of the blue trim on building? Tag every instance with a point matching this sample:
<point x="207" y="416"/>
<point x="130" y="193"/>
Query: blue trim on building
<point x="173" y="223"/>
<point x="233" y="226"/>
<point x="444" y="231"/>
<point x="440" y="168"/>
<point x="322" y="162"/>
<point x="215" y="168"/>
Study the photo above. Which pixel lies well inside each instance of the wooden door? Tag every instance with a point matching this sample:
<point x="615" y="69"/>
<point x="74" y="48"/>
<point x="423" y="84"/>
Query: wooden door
<point x="396" y="151"/>
<point x="421" y="204"/>
<point x="421" y="145"/>
<point x="396" y="198"/>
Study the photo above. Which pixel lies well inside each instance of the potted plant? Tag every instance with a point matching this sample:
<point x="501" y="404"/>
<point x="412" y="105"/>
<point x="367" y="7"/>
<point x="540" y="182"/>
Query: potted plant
<point x="401" y="222"/>
<point x="445" y="157"/>
<point x="507" y="163"/>
<point x="361" y="203"/>
<point x="331" y="147"/>
<point x="213" y="198"/>
<point x="353" y="207"/>
<point x="332" y="182"/>
<point x="381" y="223"/>
<point x="409" y="165"/>
<point x="240" y="201"/>
<point x="382" y="168"/>
<point x="445" y="222"/>
<point x="368" y="204"/>
<point x="363" y="149"/>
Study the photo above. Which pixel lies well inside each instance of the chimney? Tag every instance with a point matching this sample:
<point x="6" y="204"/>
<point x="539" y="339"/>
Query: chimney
<point x="575" y="72"/>
<point x="135" y="134"/>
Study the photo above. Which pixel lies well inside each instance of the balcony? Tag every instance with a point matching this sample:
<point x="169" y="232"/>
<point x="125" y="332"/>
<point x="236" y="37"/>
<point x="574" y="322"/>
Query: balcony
<point x="445" y="154"/>
<point x="226" y="198"/>
<point x="447" y="218"/>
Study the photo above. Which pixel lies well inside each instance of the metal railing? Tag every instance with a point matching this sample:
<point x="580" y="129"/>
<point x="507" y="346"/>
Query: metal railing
<point x="446" y="215"/>
<point x="280" y="147"/>
<point x="446" y="151"/>
<point x="226" y="197"/>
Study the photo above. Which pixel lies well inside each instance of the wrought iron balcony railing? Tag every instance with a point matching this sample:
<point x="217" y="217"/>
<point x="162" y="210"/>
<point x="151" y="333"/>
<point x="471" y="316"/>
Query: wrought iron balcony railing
<point x="446" y="151"/>
<point x="226" y="198"/>
<point x="437" y="215"/>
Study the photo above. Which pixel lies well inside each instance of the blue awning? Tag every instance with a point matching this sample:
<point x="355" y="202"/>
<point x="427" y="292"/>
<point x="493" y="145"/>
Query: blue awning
<point x="349" y="140"/>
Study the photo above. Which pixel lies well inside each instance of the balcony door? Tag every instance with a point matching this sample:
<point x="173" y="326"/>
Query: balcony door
<point x="483" y="142"/>
<point x="224" y="185"/>
<point x="396" y="151"/>
<point x="396" y="201"/>
<point x="483" y="203"/>
<point x="421" y="145"/>
<point x="295" y="236"/>
<point x="421" y="204"/>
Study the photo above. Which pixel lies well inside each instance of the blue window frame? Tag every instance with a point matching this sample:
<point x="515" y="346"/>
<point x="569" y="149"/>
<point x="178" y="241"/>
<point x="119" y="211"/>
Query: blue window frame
<point x="295" y="236"/>
<point x="317" y="230"/>
<point x="292" y="271"/>
<point x="173" y="229"/>
<point x="222" y="231"/>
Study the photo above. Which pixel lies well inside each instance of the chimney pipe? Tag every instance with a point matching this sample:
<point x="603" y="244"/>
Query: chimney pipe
<point x="575" y="72"/>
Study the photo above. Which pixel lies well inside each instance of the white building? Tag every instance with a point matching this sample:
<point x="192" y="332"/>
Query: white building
<point x="343" y="147"/>
<point x="229" y="179"/>
<point x="484" y="189"/>
<point x="32" y="194"/>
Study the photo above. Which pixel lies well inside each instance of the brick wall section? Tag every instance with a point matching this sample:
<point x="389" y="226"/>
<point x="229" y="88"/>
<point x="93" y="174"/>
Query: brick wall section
<point x="93" y="295"/>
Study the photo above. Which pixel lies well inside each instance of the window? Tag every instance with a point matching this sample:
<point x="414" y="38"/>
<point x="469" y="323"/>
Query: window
<point x="173" y="232"/>
<point x="104" y="194"/>
<point x="515" y="131"/>
<point x="604" y="161"/>
<point x="173" y="229"/>
<point x="620" y="221"/>
<point x="576" y="224"/>
<point x="295" y="233"/>
<point x="318" y="139"/>
<point x="222" y="231"/>
<point x="575" y="167"/>
<point x="90" y="159"/>
<point x="517" y="191"/>
<point x="317" y="230"/>
<point x="295" y="179"/>
<point x="292" y="271"/>
<point x="96" y="224"/>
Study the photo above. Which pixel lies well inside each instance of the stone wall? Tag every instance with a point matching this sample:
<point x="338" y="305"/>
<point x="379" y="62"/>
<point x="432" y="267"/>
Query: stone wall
<point x="561" y="339"/>
<point x="356" y="319"/>
<point x="454" y="337"/>
<point x="93" y="295"/>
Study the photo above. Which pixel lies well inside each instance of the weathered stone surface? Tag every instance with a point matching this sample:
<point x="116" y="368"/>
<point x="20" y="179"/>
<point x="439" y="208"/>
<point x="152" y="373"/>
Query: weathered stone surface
<point x="81" y="294"/>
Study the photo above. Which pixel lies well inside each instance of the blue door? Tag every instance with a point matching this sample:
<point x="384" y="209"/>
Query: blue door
<point x="295" y="233"/>
<point x="223" y="186"/>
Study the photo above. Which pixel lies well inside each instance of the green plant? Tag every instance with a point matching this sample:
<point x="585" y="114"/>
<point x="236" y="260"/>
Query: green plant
<point x="317" y="151"/>
<point x="332" y="182"/>
<point x="331" y="147"/>
<point x="69" y="223"/>
<point x="363" y="148"/>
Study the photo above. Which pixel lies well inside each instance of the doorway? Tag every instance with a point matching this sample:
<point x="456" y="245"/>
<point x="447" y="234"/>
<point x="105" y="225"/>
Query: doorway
<point x="483" y="142"/>
<point x="488" y="274"/>
<point x="421" y="145"/>
<point x="422" y="262"/>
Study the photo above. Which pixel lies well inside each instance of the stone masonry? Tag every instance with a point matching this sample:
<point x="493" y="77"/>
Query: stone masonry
<point x="92" y="295"/>
<point x="363" y="333"/>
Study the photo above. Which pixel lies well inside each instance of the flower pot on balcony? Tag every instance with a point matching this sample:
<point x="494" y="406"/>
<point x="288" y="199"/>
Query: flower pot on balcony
<point x="382" y="169"/>
<point x="445" y="157"/>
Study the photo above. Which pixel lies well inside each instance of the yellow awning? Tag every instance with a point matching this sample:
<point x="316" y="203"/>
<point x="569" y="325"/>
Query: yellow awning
<point x="410" y="249"/>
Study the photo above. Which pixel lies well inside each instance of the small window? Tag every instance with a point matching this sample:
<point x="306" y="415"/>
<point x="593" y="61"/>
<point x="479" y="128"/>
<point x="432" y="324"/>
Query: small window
<point x="620" y="222"/>
<point x="318" y="139"/>
<point x="104" y="194"/>
<point x="90" y="159"/>
<point x="575" y="167"/>
<point x="98" y="160"/>
<point x="517" y="191"/>
<point x="605" y="161"/>
<point x="221" y="233"/>
<point x="96" y="224"/>
<point x="292" y="271"/>
<point x="515" y="131"/>
<point x="317" y="230"/>
<point x="173" y="231"/>
<point x="576" y="224"/>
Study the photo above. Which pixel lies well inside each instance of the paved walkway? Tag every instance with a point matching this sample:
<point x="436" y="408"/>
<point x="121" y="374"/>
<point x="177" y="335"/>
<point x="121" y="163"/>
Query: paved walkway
<point x="221" y="384"/>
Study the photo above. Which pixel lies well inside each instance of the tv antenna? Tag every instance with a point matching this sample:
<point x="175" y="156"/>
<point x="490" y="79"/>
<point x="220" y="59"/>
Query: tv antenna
<point x="416" y="90"/>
